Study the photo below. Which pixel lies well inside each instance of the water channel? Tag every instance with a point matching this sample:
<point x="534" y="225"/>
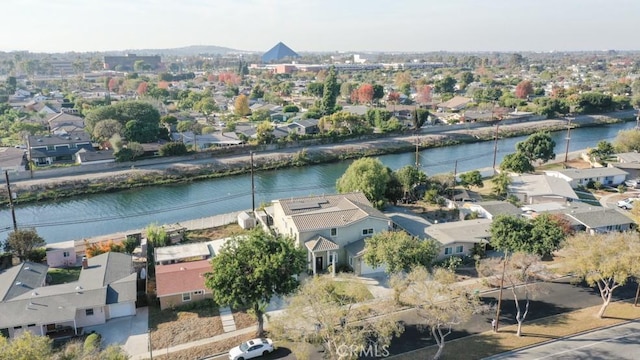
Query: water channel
<point x="101" y="214"/>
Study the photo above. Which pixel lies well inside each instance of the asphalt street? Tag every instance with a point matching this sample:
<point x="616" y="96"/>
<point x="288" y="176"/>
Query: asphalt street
<point x="617" y="342"/>
<point x="557" y="297"/>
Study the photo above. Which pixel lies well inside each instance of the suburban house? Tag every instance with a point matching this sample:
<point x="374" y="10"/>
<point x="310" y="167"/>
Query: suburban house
<point x="451" y="242"/>
<point x="56" y="120"/>
<point x="534" y="189"/>
<point x="12" y="159"/>
<point x="326" y="225"/>
<point x="607" y="176"/>
<point x="50" y="149"/>
<point x="180" y="272"/>
<point x="584" y="217"/>
<point x="87" y="157"/>
<point x="105" y="290"/>
<point x="629" y="162"/>
<point x="304" y="127"/>
<point x="206" y="141"/>
<point x="180" y="283"/>
<point x="491" y="209"/>
<point x="61" y="254"/>
<point x="459" y="237"/>
<point x="456" y="103"/>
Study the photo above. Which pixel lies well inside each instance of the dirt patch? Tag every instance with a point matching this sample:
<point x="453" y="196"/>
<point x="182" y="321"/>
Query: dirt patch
<point x="173" y="327"/>
<point x="244" y="320"/>
<point x="220" y="232"/>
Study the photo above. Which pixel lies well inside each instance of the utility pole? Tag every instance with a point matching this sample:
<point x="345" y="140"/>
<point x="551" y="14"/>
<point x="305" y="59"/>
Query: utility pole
<point x="417" y="154"/>
<point x="566" y="151"/>
<point x="13" y="211"/>
<point x="150" y="347"/>
<point x="253" y="188"/>
<point x="635" y="302"/>
<point x="29" y="158"/>
<point x="495" y="147"/>
<point x="455" y="174"/>
<point x="504" y="268"/>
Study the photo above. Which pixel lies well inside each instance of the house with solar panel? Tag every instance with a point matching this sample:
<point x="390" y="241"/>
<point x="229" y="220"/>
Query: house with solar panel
<point x="332" y="228"/>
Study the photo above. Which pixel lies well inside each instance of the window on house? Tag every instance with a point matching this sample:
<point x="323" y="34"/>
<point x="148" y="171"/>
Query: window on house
<point x="448" y="250"/>
<point x="186" y="297"/>
<point x="350" y="260"/>
<point x="51" y="147"/>
<point x="367" y="231"/>
<point x="334" y="231"/>
<point x="459" y="249"/>
<point x="88" y="312"/>
<point x="331" y="258"/>
<point x="31" y="325"/>
<point x="65" y="254"/>
<point x="73" y="146"/>
<point x="198" y="292"/>
<point x="17" y="327"/>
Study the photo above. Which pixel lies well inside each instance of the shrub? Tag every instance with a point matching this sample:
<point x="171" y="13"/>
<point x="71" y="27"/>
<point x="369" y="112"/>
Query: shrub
<point x="37" y="255"/>
<point x="92" y="344"/>
<point x="173" y="149"/>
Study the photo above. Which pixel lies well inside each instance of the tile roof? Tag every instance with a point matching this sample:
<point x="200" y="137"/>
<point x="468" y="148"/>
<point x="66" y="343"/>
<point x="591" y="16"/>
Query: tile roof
<point x="181" y="277"/>
<point x="321" y="244"/>
<point x="328" y="211"/>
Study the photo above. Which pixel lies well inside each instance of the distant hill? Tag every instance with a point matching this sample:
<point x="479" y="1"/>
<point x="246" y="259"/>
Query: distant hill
<point x="189" y="51"/>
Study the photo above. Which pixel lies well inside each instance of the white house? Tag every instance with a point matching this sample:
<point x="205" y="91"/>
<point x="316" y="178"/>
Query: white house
<point x="536" y="189"/>
<point x="607" y="176"/>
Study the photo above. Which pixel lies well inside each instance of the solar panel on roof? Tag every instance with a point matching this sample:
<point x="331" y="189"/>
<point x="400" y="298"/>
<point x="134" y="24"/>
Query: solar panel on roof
<point x="304" y="205"/>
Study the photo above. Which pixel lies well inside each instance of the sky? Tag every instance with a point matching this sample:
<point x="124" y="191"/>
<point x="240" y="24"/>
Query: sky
<point x="321" y="25"/>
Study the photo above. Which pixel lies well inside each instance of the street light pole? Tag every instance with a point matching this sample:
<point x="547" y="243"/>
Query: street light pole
<point x="253" y="188"/>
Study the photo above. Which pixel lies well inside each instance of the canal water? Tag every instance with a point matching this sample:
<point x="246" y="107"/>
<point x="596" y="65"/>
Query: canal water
<point x="93" y="215"/>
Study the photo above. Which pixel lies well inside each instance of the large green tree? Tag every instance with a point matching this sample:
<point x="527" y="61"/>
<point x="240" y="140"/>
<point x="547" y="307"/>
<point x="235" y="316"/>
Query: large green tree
<point x="330" y="92"/>
<point x="398" y="251"/>
<point x="22" y="242"/>
<point x="251" y="269"/>
<point x="516" y="162"/>
<point x="367" y="175"/>
<point x="146" y="118"/>
<point x="105" y="129"/>
<point x="539" y="146"/>
<point x="471" y="178"/>
<point x="409" y="176"/>
<point x="627" y="141"/>
<point x="540" y="236"/>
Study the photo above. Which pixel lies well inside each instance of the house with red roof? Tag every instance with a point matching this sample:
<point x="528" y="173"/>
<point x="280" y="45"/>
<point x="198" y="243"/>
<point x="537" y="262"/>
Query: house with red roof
<point x="180" y="283"/>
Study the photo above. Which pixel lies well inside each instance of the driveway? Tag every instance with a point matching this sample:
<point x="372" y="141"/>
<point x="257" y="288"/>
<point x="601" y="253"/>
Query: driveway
<point x="131" y="332"/>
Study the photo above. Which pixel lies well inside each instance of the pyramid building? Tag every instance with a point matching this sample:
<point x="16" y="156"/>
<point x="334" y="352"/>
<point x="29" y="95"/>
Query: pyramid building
<point x="278" y="52"/>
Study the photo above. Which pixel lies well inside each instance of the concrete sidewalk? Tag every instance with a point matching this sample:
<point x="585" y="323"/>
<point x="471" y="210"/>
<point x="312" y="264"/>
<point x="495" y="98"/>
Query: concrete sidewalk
<point x="172" y="349"/>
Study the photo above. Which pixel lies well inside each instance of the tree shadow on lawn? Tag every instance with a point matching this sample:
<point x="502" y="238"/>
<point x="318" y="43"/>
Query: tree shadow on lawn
<point x="626" y="291"/>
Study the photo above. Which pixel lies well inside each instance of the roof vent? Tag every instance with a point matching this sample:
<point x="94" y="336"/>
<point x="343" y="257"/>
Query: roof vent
<point x="77" y="138"/>
<point x="34" y="294"/>
<point x="182" y="269"/>
<point x="39" y="140"/>
<point x="18" y="283"/>
<point x="27" y="268"/>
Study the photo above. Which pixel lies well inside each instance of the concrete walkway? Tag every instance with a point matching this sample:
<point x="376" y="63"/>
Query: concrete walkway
<point x="228" y="324"/>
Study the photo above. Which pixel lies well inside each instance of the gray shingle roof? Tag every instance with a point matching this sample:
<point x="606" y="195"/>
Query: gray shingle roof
<point x="600" y="217"/>
<point x="460" y="231"/>
<point x="590" y="173"/>
<point x="541" y="185"/>
<point x="110" y="278"/>
<point x="21" y="279"/>
<point x="500" y="207"/>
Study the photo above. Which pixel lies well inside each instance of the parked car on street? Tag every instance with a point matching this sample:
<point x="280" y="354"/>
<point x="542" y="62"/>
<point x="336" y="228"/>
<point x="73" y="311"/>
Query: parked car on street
<point x="251" y="349"/>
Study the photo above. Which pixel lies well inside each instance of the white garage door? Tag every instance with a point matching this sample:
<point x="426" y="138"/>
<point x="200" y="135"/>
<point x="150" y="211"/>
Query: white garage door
<point x="366" y="269"/>
<point x="122" y="309"/>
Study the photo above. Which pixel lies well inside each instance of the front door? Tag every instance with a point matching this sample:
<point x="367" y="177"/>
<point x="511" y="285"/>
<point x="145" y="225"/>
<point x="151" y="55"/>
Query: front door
<point x="319" y="260"/>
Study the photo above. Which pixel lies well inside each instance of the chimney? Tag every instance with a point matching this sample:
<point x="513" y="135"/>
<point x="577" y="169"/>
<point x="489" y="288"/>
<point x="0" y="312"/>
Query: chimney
<point x="85" y="263"/>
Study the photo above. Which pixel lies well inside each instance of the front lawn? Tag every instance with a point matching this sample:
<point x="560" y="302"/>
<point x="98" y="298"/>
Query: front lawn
<point x="63" y="276"/>
<point x="196" y="321"/>
<point x="220" y="232"/>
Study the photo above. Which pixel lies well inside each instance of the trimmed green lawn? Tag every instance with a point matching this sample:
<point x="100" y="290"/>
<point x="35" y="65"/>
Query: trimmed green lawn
<point x="62" y="276"/>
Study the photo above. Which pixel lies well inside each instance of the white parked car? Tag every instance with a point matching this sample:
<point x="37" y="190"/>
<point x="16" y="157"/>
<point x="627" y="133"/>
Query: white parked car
<point x="633" y="184"/>
<point x="627" y="204"/>
<point x="251" y="349"/>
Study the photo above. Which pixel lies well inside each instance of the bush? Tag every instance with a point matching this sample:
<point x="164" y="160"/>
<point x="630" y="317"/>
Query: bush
<point x="290" y="109"/>
<point x="37" y="255"/>
<point x="92" y="344"/>
<point x="173" y="149"/>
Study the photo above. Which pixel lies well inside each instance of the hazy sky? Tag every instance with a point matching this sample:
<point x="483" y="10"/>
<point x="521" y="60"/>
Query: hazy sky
<point x="321" y="25"/>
